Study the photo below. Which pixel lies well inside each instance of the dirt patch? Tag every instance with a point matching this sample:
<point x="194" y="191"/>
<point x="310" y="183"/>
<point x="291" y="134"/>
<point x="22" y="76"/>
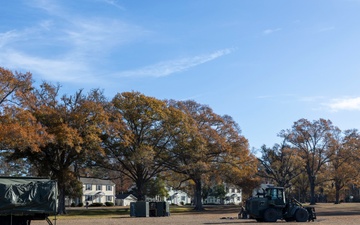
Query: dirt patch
<point x="328" y="214"/>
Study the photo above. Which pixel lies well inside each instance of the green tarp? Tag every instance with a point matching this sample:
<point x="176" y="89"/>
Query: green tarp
<point x="27" y="196"/>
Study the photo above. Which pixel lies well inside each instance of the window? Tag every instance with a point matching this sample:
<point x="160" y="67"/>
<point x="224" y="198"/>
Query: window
<point x="108" y="187"/>
<point x="98" y="187"/>
<point x="88" y="187"/>
<point x="88" y="197"/>
<point x="109" y="198"/>
<point x="183" y="198"/>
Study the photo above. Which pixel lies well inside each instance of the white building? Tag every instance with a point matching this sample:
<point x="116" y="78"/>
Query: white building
<point x="124" y="199"/>
<point x="178" y="197"/>
<point x="233" y="196"/>
<point x="97" y="190"/>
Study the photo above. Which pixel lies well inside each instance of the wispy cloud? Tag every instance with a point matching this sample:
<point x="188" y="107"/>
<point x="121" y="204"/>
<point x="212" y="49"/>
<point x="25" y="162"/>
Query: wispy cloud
<point x="324" y="29"/>
<point x="50" y="7"/>
<point x="341" y="104"/>
<point x="166" y="68"/>
<point x="100" y="34"/>
<point x="51" y="69"/>
<point x="77" y="43"/>
<point x="319" y="102"/>
<point x="265" y="96"/>
<point x="270" y="31"/>
<point x="276" y="96"/>
<point x="7" y="37"/>
<point x="115" y="4"/>
<point x="316" y="98"/>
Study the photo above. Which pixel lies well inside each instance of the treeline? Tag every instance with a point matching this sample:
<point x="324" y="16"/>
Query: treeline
<point x="142" y="138"/>
<point x="148" y="141"/>
<point x="315" y="162"/>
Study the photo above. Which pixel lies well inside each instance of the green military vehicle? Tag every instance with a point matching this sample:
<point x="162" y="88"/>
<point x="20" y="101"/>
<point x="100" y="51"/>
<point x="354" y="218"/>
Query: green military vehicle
<point x="23" y="199"/>
<point x="271" y="205"/>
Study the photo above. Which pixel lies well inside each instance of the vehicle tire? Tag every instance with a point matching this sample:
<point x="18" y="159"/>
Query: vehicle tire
<point x="301" y="215"/>
<point x="270" y="215"/>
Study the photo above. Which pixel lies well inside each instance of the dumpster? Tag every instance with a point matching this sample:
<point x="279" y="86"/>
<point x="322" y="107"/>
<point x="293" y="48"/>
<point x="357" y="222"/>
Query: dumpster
<point x="159" y="209"/>
<point x="139" y="209"/>
<point x="149" y="209"/>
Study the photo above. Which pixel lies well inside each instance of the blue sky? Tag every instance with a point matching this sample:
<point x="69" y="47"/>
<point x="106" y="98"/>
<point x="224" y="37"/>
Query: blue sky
<point x="266" y="63"/>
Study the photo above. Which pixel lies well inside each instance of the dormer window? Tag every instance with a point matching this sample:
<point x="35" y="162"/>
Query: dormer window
<point x="88" y="187"/>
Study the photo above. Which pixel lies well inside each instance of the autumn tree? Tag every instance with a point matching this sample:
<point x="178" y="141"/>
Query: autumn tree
<point x="209" y="145"/>
<point x="11" y="85"/>
<point x="141" y="130"/>
<point x="280" y="164"/>
<point x="313" y="140"/>
<point x="240" y="165"/>
<point x="55" y="133"/>
<point x="343" y="169"/>
<point x="300" y="187"/>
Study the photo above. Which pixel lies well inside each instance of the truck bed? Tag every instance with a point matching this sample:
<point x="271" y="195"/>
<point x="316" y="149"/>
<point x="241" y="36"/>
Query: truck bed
<point x="27" y="196"/>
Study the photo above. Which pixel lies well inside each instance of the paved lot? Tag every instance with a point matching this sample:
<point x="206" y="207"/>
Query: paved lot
<point x="344" y="214"/>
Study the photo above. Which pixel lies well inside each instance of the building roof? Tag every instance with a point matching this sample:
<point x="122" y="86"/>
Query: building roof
<point x="124" y="196"/>
<point x="95" y="181"/>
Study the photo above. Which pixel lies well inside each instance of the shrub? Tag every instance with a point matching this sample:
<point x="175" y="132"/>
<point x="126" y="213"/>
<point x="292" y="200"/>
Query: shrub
<point x="80" y="204"/>
<point x="96" y="204"/>
<point x="109" y="203"/>
<point x="72" y="204"/>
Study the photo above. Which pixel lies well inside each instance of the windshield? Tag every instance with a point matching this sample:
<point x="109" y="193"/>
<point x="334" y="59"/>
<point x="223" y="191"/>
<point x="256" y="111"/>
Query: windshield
<point x="275" y="193"/>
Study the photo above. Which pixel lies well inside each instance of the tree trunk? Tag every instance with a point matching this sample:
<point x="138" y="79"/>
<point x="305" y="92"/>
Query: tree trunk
<point x="198" y="197"/>
<point x="61" y="206"/>
<point x="312" y="190"/>
<point x="337" y="193"/>
<point x="140" y="192"/>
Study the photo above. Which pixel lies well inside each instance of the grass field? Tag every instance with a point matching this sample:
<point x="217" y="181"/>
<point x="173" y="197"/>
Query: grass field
<point x="114" y="211"/>
<point x="327" y="214"/>
<point x="322" y="209"/>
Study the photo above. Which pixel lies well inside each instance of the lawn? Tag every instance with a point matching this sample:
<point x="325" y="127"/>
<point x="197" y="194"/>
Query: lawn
<point x="322" y="209"/>
<point x="110" y="211"/>
<point x="327" y="214"/>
